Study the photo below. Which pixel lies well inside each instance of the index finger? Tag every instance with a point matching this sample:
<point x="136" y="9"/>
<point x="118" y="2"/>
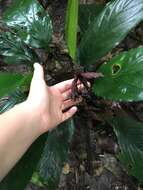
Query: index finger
<point x="64" y="86"/>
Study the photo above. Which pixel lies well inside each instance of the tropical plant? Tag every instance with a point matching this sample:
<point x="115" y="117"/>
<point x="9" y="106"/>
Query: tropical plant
<point x="26" y="29"/>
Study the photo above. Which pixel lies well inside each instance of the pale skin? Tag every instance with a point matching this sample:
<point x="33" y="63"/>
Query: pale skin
<point x="43" y="110"/>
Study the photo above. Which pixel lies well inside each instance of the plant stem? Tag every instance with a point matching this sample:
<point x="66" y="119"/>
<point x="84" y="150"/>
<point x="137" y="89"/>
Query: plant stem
<point x="88" y="142"/>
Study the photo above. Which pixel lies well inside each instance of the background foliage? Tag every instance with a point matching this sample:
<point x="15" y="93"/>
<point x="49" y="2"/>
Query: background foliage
<point x="26" y="30"/>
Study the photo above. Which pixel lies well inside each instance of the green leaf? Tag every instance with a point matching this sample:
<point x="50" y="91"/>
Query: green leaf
<point x="18" y="91"/>
<point x="130" y="138"/>
<point x="87" y="13"/>
<point x="123" y="77"/>
<point x="15" y="50"/>
<point x="55" y="154"/>
<point x="17" y="88"/>
<point x="36" y="180"/>
<point x="109" y="28"/>
<point x="31" y="22"/>
<point x="14" y="98"/>
<point x="9" y="82"/>
<point x="24" y="84"/>
<point x="72" y="26"/>
<point x="21" y="174"/>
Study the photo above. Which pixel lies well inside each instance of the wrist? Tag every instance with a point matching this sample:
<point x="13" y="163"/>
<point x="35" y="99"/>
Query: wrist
<point x="31" y="117"/>
<point x="35" y="116"/>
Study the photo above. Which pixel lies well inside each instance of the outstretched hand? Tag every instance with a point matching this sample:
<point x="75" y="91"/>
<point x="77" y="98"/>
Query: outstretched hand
<point x="54" y="104"/>
<point x="44" y="109"/>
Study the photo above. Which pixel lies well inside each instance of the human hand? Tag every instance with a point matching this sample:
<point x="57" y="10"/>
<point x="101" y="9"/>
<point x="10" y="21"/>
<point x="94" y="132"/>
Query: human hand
<point x="52" y="105"/>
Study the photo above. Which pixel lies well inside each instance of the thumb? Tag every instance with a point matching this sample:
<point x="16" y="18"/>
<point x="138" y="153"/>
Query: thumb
<point x="38" y="72"/>
<point x="38" y="76"/>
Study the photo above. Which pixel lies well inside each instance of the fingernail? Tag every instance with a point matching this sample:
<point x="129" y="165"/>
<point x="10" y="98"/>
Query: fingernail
<point x="35" y="64"/>
<point x="74" y="109"/>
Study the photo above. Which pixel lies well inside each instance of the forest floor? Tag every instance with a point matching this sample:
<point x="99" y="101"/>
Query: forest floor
<point x="92" y="163"/>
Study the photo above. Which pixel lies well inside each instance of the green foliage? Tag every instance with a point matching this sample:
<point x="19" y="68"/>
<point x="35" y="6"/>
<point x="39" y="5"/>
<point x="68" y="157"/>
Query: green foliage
<point x="87" y="14"/>
<point x="14" y="98"/>
<point x="28" y="27"/>
<point x="71" y="27"/>
<point x="13" y="84"/>
<point x="55" y="154"/>
<point x="109" y="28"/>
<point x="8" y="82"/>
<point x="20" y="32"/>
<point x="36" y="180"/>
<point x="30" y="21"/>
<point x="122" y="77"/>
<point x="130" y="137"/>
<point x="15" y="50"/>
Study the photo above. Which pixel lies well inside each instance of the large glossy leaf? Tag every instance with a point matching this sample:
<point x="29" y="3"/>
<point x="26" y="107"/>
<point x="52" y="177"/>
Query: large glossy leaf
<point x="15" y="50"/>
<point x="55" y="154"/>
<point x="72" y="26"/>
<point x="31" y="22"/>
<point x="87" y="13"/>
<point x="123" y="77"/>
<point x="21" y="174"/>
<point x="130" y="138"/>
<point x="111" y="26"/>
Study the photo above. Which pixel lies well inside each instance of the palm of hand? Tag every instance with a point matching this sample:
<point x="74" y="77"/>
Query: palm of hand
<point x="53" y="103"/>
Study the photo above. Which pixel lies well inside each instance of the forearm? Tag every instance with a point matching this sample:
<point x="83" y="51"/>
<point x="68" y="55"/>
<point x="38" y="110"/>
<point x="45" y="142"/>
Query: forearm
<point x="23" y="124"/>
<point x="18" y="130"/>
